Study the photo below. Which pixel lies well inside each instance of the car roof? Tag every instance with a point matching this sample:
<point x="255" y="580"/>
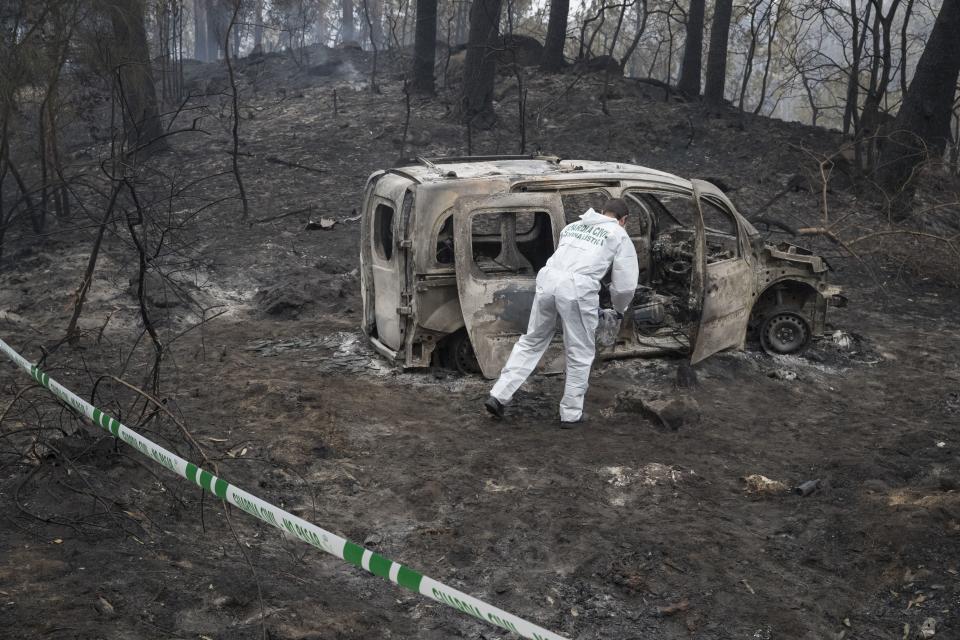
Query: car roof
<point x="532" y="168"/>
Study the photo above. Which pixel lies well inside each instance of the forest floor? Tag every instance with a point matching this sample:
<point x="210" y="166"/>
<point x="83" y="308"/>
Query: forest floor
<point x="618" y="530"/>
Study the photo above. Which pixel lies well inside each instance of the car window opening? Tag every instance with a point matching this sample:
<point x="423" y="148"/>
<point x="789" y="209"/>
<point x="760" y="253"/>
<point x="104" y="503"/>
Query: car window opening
<point x="576" y="204"/>
<point x="673" y="217"/>
<point x="680" y="213"/>
<point x="445" y="247"/>
<point x="511" y="243"/>
<point x="383" y="231"/>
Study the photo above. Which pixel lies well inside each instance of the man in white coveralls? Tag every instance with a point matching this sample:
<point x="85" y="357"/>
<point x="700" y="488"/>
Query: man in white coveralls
<point x="569" y="287"/>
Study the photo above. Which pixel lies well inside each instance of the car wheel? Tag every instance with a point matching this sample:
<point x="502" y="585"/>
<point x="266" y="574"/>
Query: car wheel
<point x="459" y="354"/>
<point x="784" y="332"/>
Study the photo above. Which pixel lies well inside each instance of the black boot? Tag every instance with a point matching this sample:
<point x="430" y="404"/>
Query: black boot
<point x="564" y="424"/>
<point x="495" y="407"/>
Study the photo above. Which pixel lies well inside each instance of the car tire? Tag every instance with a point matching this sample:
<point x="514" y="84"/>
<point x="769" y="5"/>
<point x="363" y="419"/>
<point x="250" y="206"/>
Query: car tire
<point x="458" y="354"/>
<point x="784" y="333"/>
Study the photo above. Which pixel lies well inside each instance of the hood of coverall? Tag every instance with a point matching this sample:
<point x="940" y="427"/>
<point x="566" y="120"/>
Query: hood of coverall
<point x="592" y="217"/>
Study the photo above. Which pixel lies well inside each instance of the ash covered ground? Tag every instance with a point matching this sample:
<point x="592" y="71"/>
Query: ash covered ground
<point x="624" y="529"/>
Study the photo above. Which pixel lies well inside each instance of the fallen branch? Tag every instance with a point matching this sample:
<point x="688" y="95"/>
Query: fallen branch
<point x="281" y="161"/>
<point x="284" y="215"/>
<point x="198" y="325"/>
<point x="290" y="163"/>
<point x="15" y="398"/>
<point x="253" y="570"/>
<point x="81" y="293"/>
<point x="949" y="241"/>
<point x="162" y="407"/>
<point x="660" y="84"/>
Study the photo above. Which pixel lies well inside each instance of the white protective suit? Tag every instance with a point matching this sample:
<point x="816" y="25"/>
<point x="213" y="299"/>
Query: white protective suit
<point x="569" y="286"/>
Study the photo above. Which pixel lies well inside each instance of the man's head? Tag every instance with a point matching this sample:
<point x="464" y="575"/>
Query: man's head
<point x="616" y="208"/>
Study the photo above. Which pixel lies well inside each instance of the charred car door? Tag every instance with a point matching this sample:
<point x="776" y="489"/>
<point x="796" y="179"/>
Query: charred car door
<point x="721" y="285"/>
<point x="501" y="242"/>
<point x="385" y="233"/>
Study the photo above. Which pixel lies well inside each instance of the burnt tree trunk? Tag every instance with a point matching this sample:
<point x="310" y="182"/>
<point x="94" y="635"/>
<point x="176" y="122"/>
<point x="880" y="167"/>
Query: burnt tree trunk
<point x="922" y="127"/>
<point x="556" y="36"/>
<point x="882" y="67"/>
<point x="374" y="11"/>
<point x="199" y="30"/>
<point x="461" y="27"/>
<point x="771" y="36"/>
<point x="346" y="21"/>
<point x="215" y="28"/>
<point x="480" y="67"/>
<point x="690" y="67"/>
<point x="258" y="29"/>
<point x="642" y="16"/>
<point x="751" y="49"/>
<point x="131" y="59"/>
<point x="853" y="81"/>
<point x="236" y="109"/>
<point x="904" y="42"/>
<point x="611" y="46"/>
<point x="717" y="56"/>
<point x="872" y="118"/>
<point x="425" y="47"/>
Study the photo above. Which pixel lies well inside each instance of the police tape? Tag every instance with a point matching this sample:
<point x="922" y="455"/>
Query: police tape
<point x="298" y="527"/>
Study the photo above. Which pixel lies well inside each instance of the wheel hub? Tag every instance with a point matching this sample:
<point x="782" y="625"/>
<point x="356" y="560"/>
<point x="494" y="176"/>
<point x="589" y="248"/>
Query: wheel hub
<point x="465" y="358"/>
<point x="784" y="333"/>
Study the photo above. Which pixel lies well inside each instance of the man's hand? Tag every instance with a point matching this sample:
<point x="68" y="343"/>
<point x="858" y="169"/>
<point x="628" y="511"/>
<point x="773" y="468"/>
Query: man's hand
<point x="608" y="327"/>
<point x="616" y="314"/>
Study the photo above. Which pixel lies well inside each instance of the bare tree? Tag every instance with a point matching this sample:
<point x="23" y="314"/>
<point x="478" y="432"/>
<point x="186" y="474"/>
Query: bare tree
<point x="216" y="13"/>
<point x="553" y="60"/>
<point x="904" y="38"/>
<point x="131" y="58"/>
<point x="346" y="21"/>
<point x="717" y="56"/>
<point x="690" y="68"/>
<point x="881" y="69"/>
<point x="374" y="87"/>
<point x="200" y="30"/>
<point x="425" y="47"/>
<point x="62" y="17"/>
<point x="643" y="14"/>
<point x="258" y="28"/>
<point x="922" y="126"/>
<point x="851" y="112"/>
<point x="480" y="67"/>
<point x="373" y="11"/>
<point x="754" y="30"/>
<point x="772" y="28"/>
<point x="235" y="95"/>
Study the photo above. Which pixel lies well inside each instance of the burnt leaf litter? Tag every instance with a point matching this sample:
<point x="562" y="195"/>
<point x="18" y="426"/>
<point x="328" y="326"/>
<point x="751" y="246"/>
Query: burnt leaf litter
<point x="641" y="525"/>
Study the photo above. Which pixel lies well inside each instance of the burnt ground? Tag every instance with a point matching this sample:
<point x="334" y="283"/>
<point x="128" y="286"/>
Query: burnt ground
<point x="624" y="529"/>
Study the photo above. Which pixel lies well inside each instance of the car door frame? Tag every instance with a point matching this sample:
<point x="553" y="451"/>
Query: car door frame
<point x="389" y="295"/>
<point x="721" y="292"/>
<point x="496" y="308"/>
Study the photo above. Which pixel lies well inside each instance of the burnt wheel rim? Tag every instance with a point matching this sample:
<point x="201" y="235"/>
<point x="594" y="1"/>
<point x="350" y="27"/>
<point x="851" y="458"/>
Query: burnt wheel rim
<point x="785" y="333"/>
<point x="464" y="358"/>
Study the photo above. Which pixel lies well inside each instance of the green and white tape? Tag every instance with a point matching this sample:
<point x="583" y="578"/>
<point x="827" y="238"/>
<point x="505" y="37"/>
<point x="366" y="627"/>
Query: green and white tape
<point x="309" y="533"/>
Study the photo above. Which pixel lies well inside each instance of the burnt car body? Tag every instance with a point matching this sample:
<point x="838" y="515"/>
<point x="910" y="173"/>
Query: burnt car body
<point x="450" y="249"/>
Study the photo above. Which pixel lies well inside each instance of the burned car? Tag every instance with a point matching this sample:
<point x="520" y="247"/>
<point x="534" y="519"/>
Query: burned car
<point x="450" y="249"/>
